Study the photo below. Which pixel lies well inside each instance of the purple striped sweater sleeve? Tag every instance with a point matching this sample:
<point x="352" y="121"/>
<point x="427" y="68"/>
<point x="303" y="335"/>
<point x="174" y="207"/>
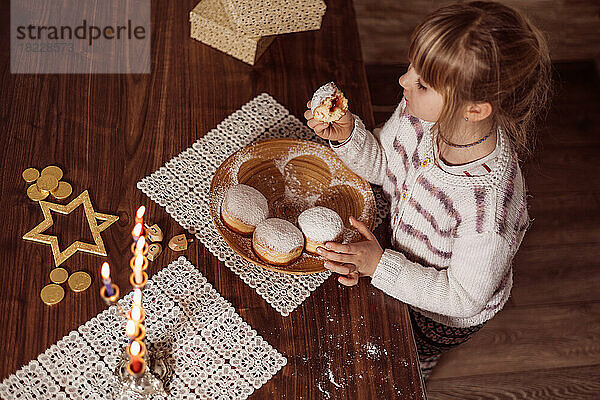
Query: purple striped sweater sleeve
<point x="477" y="267"/>
<point x="363" y="154"/>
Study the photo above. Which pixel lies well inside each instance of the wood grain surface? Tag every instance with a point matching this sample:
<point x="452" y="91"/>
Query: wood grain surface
<point x="579" y="383"/>
<point x="572" y="28"/>
<point x="108" y="131"/>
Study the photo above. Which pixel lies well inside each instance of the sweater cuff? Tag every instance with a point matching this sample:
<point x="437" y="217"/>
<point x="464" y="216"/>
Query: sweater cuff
<point x="388" y="270"/>
<point x="355" y="141"/>
<point x="335" y="143"/>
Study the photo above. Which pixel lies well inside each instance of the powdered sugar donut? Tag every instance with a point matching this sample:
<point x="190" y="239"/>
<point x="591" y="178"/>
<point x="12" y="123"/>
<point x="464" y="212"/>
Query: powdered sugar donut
<point x="328" y="104"/>
<point x="320" y="225"/>
<point x="277" y="241"/>
<point x="243" y="208"/>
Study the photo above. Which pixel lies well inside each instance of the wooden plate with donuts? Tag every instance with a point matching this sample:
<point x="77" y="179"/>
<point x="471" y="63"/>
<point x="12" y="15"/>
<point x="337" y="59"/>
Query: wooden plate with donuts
<point x="293" y="176"/>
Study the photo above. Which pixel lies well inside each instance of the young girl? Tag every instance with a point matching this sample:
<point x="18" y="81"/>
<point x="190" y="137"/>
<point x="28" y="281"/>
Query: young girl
<point x="448" y="159"/>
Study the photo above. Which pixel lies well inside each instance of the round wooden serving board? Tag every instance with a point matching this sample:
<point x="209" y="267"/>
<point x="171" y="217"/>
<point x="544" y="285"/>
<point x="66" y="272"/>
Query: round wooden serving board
<point x="293" y="175"/>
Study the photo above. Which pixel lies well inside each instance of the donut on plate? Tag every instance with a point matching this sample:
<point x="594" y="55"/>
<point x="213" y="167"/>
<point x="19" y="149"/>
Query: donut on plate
<point x="277" y="241"/>
<point x="319" y="226"/>
<point x="328" y="104"/>
<point x="243" y="208"/>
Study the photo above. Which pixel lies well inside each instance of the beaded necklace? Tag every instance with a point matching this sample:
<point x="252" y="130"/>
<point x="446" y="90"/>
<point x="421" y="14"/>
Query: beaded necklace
<point x="462" y="146"/>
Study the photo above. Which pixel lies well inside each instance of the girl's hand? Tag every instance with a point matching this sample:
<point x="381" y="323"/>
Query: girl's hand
<point x="339" y="130"/>
<point x="355" y="259"/>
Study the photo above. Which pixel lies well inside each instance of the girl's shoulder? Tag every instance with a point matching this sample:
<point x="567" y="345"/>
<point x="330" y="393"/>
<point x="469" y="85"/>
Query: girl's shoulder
<point x="496" y="205"/>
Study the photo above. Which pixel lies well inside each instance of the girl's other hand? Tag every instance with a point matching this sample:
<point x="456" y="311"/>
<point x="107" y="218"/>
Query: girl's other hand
<point x="339" y="130"/>
<point x="354" y="259"/>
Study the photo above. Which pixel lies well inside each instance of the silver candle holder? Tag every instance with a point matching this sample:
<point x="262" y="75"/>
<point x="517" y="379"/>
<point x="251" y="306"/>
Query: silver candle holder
<point x="143" y="374"/>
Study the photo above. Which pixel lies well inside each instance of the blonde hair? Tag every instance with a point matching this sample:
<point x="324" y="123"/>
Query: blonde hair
<point x="485" y="52"/>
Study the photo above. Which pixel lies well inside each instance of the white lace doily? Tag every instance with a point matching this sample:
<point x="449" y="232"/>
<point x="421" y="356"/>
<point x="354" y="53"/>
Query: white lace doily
<point x="182" y="185"/>
<point x="213" y="352"/>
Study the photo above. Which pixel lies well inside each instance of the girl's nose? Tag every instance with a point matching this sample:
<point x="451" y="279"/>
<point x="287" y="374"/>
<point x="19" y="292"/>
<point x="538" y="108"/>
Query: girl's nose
<point x="404" y="78"/>
<point x="402" y="81"/>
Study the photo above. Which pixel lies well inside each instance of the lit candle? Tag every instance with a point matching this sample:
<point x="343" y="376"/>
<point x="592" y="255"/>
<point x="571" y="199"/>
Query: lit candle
<point x="136" y="314"/>
<point x="131" y="329"/>
<point x="139" y="215"/>
<point x="139" y="246"/>
<point x="137" y="269"/>
<point x="137" y="297"/>
<point x="135" y="348"/>
<point x="105" y="272"/>
<point x="137" y="232"/>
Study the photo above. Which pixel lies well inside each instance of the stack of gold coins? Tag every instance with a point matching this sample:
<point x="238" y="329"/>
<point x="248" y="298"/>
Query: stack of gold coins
<point x="45" y="183"/>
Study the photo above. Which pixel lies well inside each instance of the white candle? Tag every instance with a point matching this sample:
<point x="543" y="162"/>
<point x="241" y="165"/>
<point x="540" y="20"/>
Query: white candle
<point x="134" y="348"/>
<point x="139" y="215"/>
<point x="137" y="297"/>
<point x="131" y="329"/>
<point x="137" y="232"/>
<point x="136" y="314"/>
<point x="139" y="246"/>
<point x="137" y="269"/>
<point x="105" y="272"/>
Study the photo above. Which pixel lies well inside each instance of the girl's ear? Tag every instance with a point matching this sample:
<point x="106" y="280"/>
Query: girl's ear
<point x="478" y="111"/>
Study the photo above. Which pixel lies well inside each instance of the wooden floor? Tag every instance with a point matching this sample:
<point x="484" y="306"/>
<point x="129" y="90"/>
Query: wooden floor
<point x="545" y="344"/>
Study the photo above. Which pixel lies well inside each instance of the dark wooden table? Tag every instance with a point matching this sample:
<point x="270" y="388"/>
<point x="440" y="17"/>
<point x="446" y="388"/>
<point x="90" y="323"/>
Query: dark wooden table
<point x="109" y="131"/>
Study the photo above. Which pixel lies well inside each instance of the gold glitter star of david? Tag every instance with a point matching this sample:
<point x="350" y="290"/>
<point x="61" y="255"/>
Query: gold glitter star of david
<point x="36" y="234"/>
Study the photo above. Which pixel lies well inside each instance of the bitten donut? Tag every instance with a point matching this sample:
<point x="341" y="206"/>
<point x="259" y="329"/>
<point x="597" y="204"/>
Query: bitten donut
<point x="277" y="241"/>
<point x="328" y="104"/>
<point x="243" y="208"/>
<point x="320" y="225"/>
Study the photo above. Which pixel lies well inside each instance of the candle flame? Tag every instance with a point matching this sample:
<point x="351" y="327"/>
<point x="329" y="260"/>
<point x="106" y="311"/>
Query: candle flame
<point x="105" y="272"/>
<point x="136" y="313"/>
<point x="135" y="348"/>
<point x="130" y="328"/>
<point x="139" y="246"/>
<point x="139" y="261"/>
<point x="140" y="212"/>
<point x="137" y="297"/>
<point x="137" y="229"/>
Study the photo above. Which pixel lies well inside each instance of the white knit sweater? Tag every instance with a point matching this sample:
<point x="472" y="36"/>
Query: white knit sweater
<point x="453" y="236"/>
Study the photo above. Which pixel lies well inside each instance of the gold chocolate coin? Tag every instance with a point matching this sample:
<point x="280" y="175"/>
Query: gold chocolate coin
<point x="59" y="275"/>
<point x="63" y="190"/>
<point x="79" y="281"/>
<point x="30" y="175"/>
<point x="54" y="171"/>
<point x="35" y="194"/>
<point x="52" y="294"/>
<point x="47" y="183"/>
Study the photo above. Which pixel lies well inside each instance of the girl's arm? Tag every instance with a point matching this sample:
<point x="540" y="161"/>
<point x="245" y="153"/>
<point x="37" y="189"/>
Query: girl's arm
<point x="357" y="147"/>
<point x="363" y="153"/>
<point x="477" y="267"/>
